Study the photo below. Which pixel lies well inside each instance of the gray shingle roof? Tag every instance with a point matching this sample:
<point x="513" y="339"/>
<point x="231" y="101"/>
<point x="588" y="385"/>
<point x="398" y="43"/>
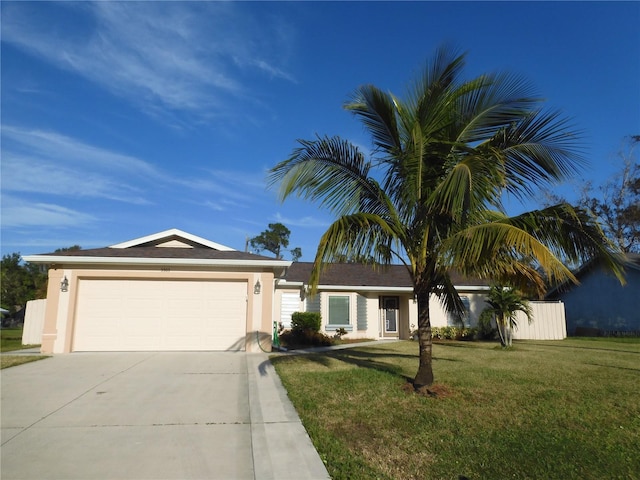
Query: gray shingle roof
<point x="355" y="274"/>
<point x="352" y="274"/>
<point x="161" y="252"/>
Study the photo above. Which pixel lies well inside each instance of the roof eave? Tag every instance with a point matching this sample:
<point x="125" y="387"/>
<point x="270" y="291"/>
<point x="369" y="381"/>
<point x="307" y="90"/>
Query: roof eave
<point x="283" y="283"/>
<point x="376" y="288"/>
<point x="133" y="261"/>
<point x="472" y="288"/>
<point x="364" y="288"/>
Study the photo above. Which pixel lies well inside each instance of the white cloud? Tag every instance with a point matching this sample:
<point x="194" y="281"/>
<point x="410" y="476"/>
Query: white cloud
<point x="16" y="213"/>
<point x="163" y="56"/>
<point x="24" y="174"/>
<point x="230" y="189"/>
<point x="216" y="206"/>
<point x="69" y="151"/>
<point x="46" y="162"/>
<point x="306" y="221"/>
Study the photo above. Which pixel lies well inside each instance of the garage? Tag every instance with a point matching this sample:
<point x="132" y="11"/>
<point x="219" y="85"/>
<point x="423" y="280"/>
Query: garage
<point x="163" y="315"/>
<point x="168" y="291"/>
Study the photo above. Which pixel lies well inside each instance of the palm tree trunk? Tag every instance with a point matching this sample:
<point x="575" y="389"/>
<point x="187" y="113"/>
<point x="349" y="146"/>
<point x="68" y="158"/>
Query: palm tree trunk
<point x="424" y="377"/>
<point x="508" y="333"/>
<point x="501" y="330"/>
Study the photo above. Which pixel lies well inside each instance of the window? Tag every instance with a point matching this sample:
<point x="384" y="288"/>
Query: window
<point x="464" y="321"/>
<point x="338" y="310"/>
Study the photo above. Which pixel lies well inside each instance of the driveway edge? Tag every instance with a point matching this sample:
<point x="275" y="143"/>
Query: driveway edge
<point x="282" y="448"/>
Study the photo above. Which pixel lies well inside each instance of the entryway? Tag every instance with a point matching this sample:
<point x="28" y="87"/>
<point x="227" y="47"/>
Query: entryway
<point x="389" y="315"/>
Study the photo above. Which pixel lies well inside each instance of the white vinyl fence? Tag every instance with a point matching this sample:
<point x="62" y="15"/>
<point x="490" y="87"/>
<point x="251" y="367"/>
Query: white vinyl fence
<point x="34" y="322"/>
<point x="548" y="322"/>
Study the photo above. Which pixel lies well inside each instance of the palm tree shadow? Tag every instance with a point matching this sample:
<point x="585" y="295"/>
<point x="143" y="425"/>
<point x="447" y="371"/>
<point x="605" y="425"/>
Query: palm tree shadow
<point x="365" y="359"/>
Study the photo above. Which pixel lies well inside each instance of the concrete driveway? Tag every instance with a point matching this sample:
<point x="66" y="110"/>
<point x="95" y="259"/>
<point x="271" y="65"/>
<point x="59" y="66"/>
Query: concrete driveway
<point x="173" y="415"/>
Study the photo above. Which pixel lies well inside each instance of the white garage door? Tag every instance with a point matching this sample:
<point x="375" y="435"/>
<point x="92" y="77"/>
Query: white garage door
<point x="136" y="315"/>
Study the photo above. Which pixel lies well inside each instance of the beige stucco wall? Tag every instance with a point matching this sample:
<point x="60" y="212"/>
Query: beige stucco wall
<point x="60" y="312"/>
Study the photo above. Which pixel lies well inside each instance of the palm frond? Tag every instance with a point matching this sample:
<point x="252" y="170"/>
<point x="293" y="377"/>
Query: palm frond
<point x="498" y="249"/>
<point x="574" y="235"/>
<point x="377" y="111"/>
<point x="448" y="296"/>
<point x="471" y="185"/>
<point x="490" y="103"/>
<point x="357" y="235"/>
<point x="538" y="150"/>
<point x="331" y="171"/>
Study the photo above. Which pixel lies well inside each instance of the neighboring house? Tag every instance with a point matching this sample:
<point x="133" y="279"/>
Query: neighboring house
<point x="368" y="302"/>
<point x="167" y="291"/>
<point x="599" y="304"/>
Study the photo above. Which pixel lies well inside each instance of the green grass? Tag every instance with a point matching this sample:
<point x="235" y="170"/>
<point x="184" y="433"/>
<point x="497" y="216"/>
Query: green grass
<point x="563" y="409"/>
<point x="7" y="361"/>
<point x="11" y="339"/>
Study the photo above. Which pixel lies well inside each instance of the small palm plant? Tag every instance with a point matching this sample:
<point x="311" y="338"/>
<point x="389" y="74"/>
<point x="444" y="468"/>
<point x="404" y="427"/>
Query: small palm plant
<point x="504" y="303"/>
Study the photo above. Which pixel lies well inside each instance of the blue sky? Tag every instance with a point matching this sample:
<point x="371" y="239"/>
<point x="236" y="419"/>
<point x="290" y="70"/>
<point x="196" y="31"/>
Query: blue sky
<point x="123" y="119"/>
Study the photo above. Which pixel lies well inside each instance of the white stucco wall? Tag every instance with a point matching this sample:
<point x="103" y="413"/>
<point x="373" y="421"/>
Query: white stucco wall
<point x="548" y="324"/>
<point x="440" y="318"/>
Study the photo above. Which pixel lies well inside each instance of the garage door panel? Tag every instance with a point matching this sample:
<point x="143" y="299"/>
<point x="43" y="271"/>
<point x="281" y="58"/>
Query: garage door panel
<point x="130" y="315"/>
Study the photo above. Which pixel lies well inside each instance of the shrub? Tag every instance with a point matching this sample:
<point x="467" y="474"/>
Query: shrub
<point x="306" y="321"/>
<point x="305" y="338"/>
<point x="485" y="330"/>
<point x="340" y="332"/>
<point x="453" y="333"/>
<point x="468" y="333"/>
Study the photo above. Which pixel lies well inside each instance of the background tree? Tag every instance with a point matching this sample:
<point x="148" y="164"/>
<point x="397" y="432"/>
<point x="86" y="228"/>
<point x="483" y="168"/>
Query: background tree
<point x="296" y="254"/>
<point x="431" y="195"/>
<point x="72" y="248"/>
<point x="274" y="240"/>
<point x="20" y="282"/>
<point x="23" y="281"/>
<point x="504" y="304"/>
<point x="616" y="202"/>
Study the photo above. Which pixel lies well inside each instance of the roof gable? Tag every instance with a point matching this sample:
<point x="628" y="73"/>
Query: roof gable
<point x="593" y="267"/>
<point x="173" y="238"/>
<point x="171" y="247"/>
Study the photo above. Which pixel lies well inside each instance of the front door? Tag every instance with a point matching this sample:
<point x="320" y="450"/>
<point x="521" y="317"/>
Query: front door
<point x="389" y="314"/>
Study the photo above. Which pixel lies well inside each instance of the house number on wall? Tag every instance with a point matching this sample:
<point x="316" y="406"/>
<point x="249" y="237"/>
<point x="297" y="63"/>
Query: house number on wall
<point x="165" y="269"/>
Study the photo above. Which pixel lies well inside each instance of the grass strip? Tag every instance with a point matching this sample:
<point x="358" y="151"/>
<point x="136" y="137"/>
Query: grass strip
<point x="7" y="361"/>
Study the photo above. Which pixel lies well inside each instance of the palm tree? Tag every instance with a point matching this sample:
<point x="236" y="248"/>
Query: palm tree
<point x="504" y="303"/>
<point x="431" y="194"/>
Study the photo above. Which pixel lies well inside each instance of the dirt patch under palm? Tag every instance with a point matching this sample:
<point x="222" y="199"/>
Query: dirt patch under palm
<point x="433" y="391"/>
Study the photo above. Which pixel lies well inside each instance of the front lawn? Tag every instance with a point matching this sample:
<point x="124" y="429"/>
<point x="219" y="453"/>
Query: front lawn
<point x="11" y="339"/>
<point x="562" y="409"/>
